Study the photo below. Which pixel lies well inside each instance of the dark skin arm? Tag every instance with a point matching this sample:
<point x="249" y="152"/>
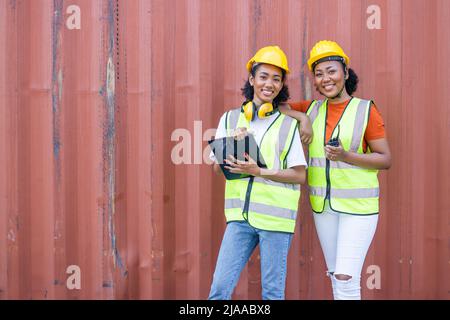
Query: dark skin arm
<point x="217" y="169"/>
<point x="305" y="128"/>
<point x="379" y="158"/>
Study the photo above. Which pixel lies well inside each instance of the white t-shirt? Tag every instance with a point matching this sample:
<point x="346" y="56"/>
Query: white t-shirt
<point x="295" y="157"/>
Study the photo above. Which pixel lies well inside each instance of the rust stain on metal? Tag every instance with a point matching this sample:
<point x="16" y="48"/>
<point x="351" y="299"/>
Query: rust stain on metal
<point x="56" y="79"/>
<point x="304" y="79"/>
<point x="109" y="131"/>
<point x="256" y="22"/>
<point x="109" y="137"/>
<point x="12" y="4"/>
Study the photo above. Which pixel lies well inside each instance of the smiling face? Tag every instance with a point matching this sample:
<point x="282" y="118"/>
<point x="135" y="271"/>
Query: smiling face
<point x="329" y="79"/>
<point x="267" y="83"/>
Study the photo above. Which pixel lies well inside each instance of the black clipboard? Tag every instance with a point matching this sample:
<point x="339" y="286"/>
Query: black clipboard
<point x="223" y="147"/>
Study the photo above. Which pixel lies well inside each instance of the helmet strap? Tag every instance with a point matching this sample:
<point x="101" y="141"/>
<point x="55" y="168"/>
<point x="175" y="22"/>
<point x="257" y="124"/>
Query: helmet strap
<point x="330" y="58"/>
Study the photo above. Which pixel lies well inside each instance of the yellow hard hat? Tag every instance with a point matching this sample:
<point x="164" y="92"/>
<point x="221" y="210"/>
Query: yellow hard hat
<point x="323" y="49"/>
<point x="271" y="55"/>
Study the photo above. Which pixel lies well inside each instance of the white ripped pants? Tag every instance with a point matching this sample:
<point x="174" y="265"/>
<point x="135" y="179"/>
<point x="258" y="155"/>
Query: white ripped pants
<point x="345" y="240"/>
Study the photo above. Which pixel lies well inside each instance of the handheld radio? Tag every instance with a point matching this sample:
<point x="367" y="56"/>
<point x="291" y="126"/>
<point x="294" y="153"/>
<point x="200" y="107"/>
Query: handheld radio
<point x="334" y="142"/>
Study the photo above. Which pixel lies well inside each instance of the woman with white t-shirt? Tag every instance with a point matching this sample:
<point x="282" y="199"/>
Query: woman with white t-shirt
<point x="261" y="209"/>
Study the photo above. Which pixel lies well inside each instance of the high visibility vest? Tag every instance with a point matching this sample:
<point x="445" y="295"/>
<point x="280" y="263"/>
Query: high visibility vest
<point x="349" y="188"/>
<point x="265" y="204"/>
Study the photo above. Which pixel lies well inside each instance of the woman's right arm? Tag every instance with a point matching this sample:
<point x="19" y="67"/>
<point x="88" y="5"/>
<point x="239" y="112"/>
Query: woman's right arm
<point x="221" y="132"/>
<point x="217" y="169"/>
<point x="379" y="158"/>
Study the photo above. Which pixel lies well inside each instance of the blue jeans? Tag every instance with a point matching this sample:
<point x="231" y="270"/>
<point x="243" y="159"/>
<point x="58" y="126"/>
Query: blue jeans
<point x="239" y="241"/>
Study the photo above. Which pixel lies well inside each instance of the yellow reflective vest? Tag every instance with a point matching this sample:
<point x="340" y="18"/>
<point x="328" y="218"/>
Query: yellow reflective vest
<point x="265" y="204"/>
<point x="349" y="188"/>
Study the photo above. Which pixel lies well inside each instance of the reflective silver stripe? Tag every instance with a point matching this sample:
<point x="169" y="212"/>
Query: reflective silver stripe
<point x="272" y="211"/>
<point x="358" y="126"/>
<point x="317" y="191"/>
<point x="262" y="208"/>
<point x="284" y="132"/>
<point x="321" y="163"/>
<point x="234" y="203"/>
<point x="345" y="193"/>
<point x="289" y="186"/>
<point x="233" y="117"/>
<point x="282" y="139"/>
<point x="315" y="110"/>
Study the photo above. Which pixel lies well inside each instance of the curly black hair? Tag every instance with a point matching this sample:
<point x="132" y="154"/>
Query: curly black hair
<point x="283" y="95"/>
<point x="351" y="84"/>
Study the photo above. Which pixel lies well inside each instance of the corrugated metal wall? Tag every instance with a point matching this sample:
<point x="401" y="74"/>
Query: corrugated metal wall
<point x="98" y="96"/>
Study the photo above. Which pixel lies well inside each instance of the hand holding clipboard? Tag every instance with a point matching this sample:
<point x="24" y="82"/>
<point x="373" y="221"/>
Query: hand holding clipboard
<point x="239" y="149"/>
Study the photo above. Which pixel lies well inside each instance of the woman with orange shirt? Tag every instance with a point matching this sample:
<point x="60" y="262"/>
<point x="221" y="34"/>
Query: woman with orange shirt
<point x="347" y="150"/>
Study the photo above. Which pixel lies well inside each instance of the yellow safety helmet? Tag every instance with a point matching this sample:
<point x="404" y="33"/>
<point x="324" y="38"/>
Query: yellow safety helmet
<point x="271" y="55"/>
<point x="324" y="49"/>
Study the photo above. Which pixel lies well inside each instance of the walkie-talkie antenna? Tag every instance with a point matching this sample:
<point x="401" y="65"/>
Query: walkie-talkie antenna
<point x="334" y="142"/>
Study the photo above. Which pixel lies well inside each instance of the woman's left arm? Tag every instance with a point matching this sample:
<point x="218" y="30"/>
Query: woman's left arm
<point x="379" y="158"/>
